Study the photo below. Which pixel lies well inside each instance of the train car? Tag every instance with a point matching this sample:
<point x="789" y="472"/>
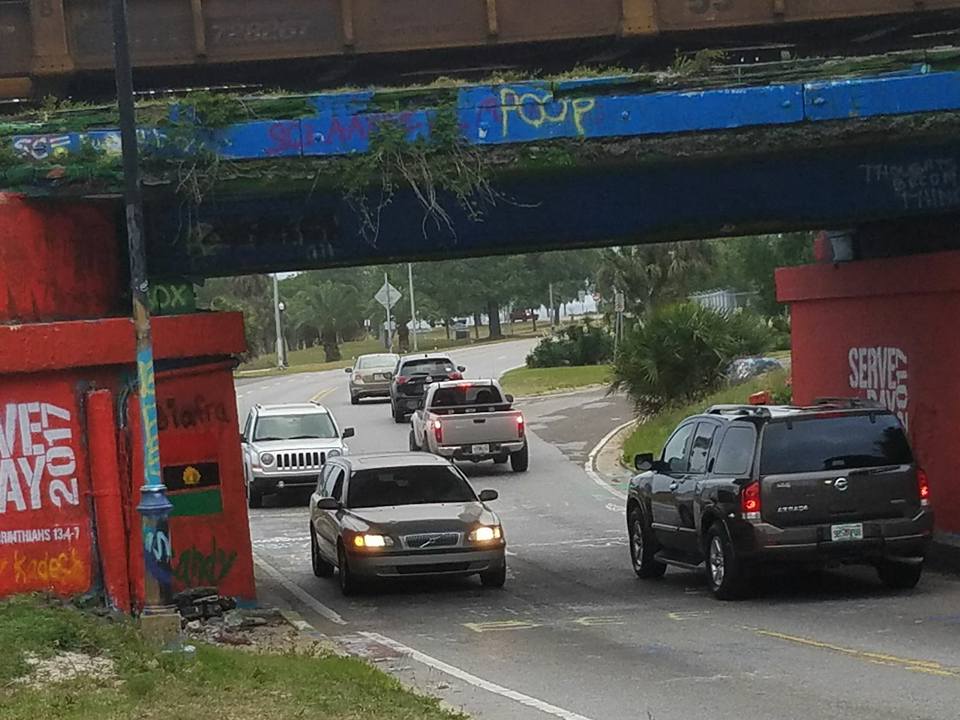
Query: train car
<point x="49" y="44"/>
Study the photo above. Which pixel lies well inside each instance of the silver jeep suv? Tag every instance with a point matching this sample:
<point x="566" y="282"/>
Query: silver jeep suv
<point x="286" y="446"/>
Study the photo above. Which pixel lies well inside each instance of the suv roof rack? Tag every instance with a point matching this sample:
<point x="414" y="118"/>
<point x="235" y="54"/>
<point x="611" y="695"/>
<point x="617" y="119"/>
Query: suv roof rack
<point x="846" y="402"/>
<point x="754" y="410"/>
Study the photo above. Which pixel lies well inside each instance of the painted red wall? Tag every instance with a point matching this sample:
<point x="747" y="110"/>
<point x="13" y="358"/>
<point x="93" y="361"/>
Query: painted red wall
<point x="57" y="260"/>
<point x="884" y="329"/>
<point x="201" y="464"/>
<point x="46" y="538"/>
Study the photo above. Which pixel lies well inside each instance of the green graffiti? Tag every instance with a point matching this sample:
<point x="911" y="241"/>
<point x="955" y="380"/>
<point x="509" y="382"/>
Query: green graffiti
<point x="195" y="568"/>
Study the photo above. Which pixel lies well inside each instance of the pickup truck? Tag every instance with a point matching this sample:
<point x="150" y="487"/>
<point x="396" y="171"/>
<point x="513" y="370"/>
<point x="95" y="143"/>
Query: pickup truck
<point x="470" y="420"/>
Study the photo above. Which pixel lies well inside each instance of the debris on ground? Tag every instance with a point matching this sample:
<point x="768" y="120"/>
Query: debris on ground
<point x="64" y="666"/>
<point x="258" y="630"/>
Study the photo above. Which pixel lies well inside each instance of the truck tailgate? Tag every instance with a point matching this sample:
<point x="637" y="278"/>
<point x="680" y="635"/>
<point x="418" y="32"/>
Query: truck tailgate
<point x="480" y="428"/>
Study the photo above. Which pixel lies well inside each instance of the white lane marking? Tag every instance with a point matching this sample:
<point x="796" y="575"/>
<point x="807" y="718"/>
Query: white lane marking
<point x="590" y="465"/>
<point x="466" y="677"/>
<point x="298" y="592"/>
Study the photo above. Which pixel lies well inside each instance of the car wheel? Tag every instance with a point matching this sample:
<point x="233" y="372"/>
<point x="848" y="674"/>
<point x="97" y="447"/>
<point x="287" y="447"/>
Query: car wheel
<point x="899" y="576"/>
<point x="726" y="574"/>
<point x="520" y="460"/>
<point x="412" y="442"/>
<point x="643" y="548"/>
<point x="321" y="568"/>
<point x="495" y="577"/>
<point x="254" y="498"/>
<point x="398" y="415"/>
<point x="354" y="400"/>
<point x="348" y="583"/>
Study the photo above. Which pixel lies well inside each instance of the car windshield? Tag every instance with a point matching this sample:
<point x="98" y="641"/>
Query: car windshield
<point x="427" y="367"/>
<point x="465" y="396"/>
<point x="295" y="427"/>
<point x="408" y="486"/>
<point x="835" y="443"/>
<point x="377" y="361"/>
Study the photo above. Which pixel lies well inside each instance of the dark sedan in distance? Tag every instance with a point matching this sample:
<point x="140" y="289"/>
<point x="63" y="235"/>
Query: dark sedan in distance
<point x="403" y="515"/>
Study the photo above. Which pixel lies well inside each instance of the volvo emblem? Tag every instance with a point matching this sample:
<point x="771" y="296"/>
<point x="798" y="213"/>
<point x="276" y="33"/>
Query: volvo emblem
<point x="841" y="484"/>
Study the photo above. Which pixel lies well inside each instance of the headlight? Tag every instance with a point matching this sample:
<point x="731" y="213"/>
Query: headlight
<point x="486" y="534"/>
<point x="372" y="541"/>
<point x="334" y="453"/>
<point x="266" y="458"/>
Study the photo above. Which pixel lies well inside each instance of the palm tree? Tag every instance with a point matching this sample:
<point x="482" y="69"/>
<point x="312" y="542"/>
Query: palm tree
<point x="330" y="310"/>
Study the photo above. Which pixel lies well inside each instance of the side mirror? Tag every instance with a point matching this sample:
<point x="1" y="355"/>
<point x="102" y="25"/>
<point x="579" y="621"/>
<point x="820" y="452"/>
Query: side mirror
<point x="488" y="495"/>
<point x="348" y="370"/>
<point x="461" y="368"/>
<point x="243" y="440"/>
<point x="348" y="433"/>
<point x="328" y="504"/>
<point x="643" y="462"/>
<point x="508" y="398"/>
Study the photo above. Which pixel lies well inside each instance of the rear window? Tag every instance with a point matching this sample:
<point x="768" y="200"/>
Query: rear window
<point x="377" y="361"/>
<point x="427" y="367"/>
<point x="408" y="486"/>
<point x="836" y="443"/>
<point x="466" y="396"/>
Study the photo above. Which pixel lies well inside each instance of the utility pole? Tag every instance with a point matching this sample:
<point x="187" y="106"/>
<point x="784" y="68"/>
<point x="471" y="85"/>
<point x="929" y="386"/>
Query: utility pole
<point x="386" y="283"/>
<point x="552" y="323"/>
<point x="413" y="306"/>
<point x="277" y="309"/>
<point x="160" y="619"/>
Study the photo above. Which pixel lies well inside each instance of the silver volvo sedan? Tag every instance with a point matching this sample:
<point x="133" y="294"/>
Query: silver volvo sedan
<point x="371" y="376"/>
<point x="403" y="515"/>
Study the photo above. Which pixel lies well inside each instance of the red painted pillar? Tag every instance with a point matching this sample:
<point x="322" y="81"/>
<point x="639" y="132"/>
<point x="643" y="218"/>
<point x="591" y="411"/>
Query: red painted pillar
<point x="108" y="504"/>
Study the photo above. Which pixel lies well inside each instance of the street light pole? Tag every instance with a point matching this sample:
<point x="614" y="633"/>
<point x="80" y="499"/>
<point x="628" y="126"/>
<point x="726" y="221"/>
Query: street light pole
<point x="154" y="507"/>
<point x="413" y="306"/>
<point x="386" y="284"/>
<point x="281" y="354"/>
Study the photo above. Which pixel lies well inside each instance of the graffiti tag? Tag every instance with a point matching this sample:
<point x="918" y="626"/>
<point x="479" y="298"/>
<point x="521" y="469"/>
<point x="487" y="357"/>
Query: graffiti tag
<point x="195" y="568"/>
<point x="65" y="568"/>
<point x="172" y="415"/>
<point x="928" y="185"/>
<point x="148" y="416"/>
<point x="539" y="109"/>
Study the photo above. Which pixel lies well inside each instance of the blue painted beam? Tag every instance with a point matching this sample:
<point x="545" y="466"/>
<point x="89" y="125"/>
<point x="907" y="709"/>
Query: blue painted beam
<point x="538" y="111"/>
<point x="648" y="203"/>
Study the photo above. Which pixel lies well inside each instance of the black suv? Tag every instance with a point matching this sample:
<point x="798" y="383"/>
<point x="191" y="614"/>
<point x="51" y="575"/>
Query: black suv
<point x="412" y="375"/>
<point x="743" y="486"/>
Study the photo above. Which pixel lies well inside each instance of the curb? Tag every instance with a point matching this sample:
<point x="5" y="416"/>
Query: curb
<point x="590" y="466"/>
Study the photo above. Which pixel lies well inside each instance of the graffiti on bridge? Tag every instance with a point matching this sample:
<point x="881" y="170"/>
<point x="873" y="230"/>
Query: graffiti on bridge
<point x="196" y="568"/>
<point x="932" y="184"/>
<point x="537" y="109"/>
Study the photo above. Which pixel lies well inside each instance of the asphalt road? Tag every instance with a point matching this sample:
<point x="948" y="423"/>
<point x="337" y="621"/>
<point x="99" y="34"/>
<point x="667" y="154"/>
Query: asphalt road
<point x="575" y="635"/>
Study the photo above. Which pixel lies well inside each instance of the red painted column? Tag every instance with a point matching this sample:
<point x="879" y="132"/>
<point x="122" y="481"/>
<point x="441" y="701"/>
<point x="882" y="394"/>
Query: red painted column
<point x="107" y="499"/>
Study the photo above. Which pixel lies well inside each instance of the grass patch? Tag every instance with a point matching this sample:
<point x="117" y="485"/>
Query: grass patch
<point x="539" y="381"/>
<point x="651" y="435"/>
<point x="314" y="359"/>
<point x="218" y="682"/>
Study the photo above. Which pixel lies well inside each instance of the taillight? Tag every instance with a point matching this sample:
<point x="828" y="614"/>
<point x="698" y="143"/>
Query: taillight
<point x="750" y="501"/>
<point x="455" y="376"/>
<point x="923" y="485"/>
<point x="401" y="380"/>
<point x="438" y="431"/>
<point x="520" y="426"/>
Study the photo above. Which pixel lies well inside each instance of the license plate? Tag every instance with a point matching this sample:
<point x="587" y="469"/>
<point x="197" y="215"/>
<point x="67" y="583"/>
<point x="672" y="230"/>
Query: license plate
<point x="481" y="449"/>
<point x="379" y="376"/>
<point x="845" y="533"/>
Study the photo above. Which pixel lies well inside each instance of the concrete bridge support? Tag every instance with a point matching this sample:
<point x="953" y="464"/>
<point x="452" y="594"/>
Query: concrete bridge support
<point x="70" y="460"/>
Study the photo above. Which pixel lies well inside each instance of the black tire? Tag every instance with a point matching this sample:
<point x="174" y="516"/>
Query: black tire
<point x="321" y="568"/>
<point x="520" y="460"/>
<point x="643" y="546"/>
<point x="726" y="574"/>
<point x="354" y="400"/>
<point x="495" y="577"/>
<point x="899" y="576"/>
<point x="254" y="498"/>
<point x="501" y="459"/>
<point x="412" y="443"/>
<point x="399" y="416"/>
<point x="348" y="583"/>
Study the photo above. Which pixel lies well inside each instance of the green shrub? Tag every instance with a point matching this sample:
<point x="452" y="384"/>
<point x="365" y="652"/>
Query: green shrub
<point x="680" y="353"/>
<point x="576" y="345"/>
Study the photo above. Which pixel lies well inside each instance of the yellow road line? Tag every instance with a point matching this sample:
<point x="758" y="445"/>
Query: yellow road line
<point x="930" y="667"/>
<point x="322" y="394"/>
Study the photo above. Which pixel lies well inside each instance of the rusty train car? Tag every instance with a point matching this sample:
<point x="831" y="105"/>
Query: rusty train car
<point x="50" y="43"/>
